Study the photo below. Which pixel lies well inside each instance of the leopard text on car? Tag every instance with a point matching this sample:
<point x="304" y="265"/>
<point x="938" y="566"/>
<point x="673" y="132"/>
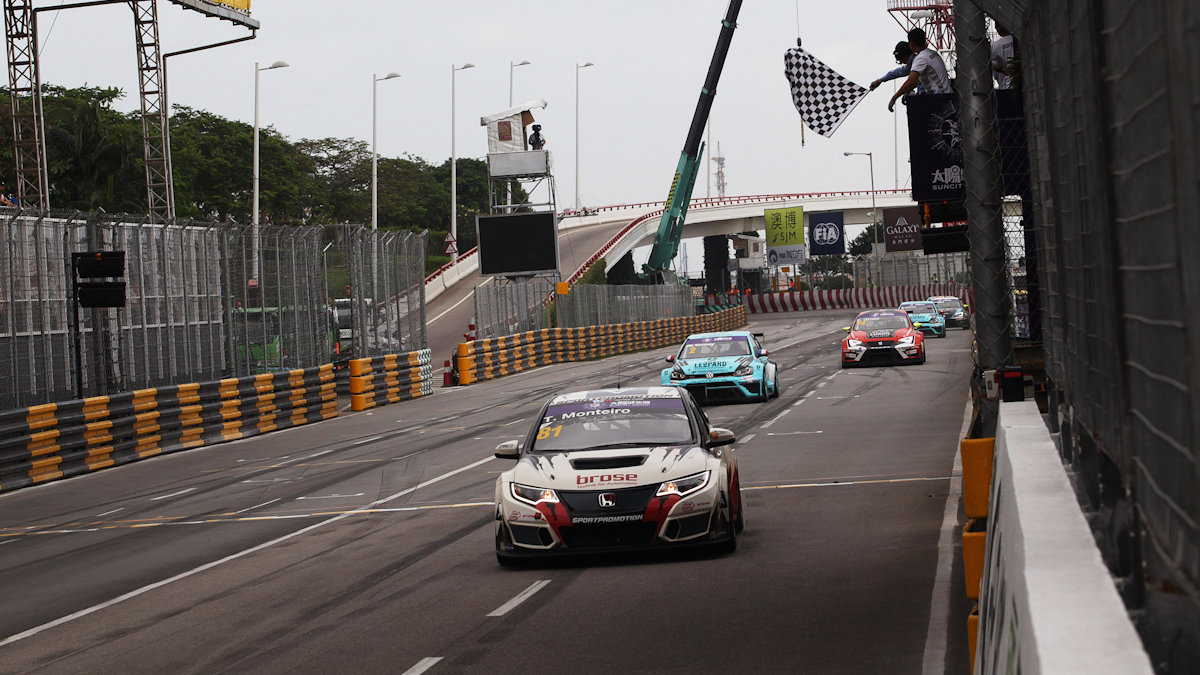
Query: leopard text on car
<point x="882" y="336"/>
<point x="952" y="310"/>
<point x="925" y="315"/>
<point x="723" y="366"/>
<point x="615" y="469"/>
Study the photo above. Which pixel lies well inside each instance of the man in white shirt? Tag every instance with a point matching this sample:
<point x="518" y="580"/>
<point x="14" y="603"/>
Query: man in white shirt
<point x="927" y="70"/>
<point x="1003" y="51"/>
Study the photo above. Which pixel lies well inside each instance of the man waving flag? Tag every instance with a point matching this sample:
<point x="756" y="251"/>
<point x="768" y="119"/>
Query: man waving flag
<point x="822" y="97"/>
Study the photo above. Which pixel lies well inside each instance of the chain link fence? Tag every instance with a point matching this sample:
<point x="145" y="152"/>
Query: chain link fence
<point x="387" y="292"/>
<point x="507" y="307"/>
<point x="203" y="301"/>
<point x="597" y="305"/>
<point x="1111" y="97"/>
<point x="909" y="270"/>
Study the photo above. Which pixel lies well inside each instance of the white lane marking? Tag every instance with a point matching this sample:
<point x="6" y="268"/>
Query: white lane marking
<point x="521" y="597"/>
<point x="368" y="440"/>
<point x="767" y="424"/>
<point x="269" y="480"/>
<point x="173" y="494"/>
<point x="830" y="398"/>
<point x="8" y="541"/>
<point x="513" y="422"/>
<point x="810" y="393"/>
<point x="934" y="660"/>
<point x="234" y="556"/>
<point x="822" y="385"/>
<point x="301" y="459"/>
<point x="776" y="418"/>
<point x="258" y="506"/>
<point x="793" y="433"/>
<point x="748" y="438"/>
<point x="797" y="403"/>
<point x="109" y="513"/>
<point x="424" y="664"/>
<point x="333" y="496"/>
<point x="453" y="307"/>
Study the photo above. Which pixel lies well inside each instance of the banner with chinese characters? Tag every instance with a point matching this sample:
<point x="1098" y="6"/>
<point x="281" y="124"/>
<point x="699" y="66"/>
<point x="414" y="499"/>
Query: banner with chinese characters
<point x="826" y="233"/>
<point x="902" y="229"/>
<point x="785" y="236"/>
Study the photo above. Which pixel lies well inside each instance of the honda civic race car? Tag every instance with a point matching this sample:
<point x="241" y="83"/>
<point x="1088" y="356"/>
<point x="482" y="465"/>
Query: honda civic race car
<point x="925" y="315"/>
<point x="616" y="469"/>
<point x="882" y="336"/>
<point x="952" y="310"/>
<point x="727" y="365"/>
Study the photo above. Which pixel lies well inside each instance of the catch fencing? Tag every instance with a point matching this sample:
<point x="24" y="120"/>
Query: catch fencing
<point x="509" y="307"/>
<point x="917" y="269"/>
<point x="204" y="301"/>
<point x="1111" y="91"/>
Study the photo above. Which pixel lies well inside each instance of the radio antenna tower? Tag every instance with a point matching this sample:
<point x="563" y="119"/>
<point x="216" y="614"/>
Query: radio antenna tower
<point x="935" y="17"/>
<point x="720" y="160"/>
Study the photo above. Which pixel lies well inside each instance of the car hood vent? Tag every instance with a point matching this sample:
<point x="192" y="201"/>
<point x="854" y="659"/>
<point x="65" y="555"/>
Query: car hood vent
<point x="585" y="464"/>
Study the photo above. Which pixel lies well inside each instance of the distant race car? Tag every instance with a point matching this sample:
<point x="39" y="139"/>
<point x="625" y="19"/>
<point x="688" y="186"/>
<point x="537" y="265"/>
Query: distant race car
<point x="723" y="366"/>
<point x="882" y="336"/>
<point x="614" y="469"/>
<point x="925" y="315"/>
<point x="952" y="310"/>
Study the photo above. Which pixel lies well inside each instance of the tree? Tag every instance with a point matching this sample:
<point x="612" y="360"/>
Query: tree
<point x="861" y="245"/>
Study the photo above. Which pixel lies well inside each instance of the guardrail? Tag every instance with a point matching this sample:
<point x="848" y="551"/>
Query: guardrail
<point x="58" y="440"/>
<point x="390" y="379"/>
<point x="849" y="298"/>
<point x="1047" y="602"/>
<point x="488" y="359"/>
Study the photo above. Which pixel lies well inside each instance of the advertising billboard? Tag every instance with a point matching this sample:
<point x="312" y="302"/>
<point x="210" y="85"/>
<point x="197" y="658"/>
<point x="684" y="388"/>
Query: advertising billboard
<point x="827" y="233"/>
<point x="785" y="236"/>
<point x="902" y="229"/>
<point x="517" y="244"/>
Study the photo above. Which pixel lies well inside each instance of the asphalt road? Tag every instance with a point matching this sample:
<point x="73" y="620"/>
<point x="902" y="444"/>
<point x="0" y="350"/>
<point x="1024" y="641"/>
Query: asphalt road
<point x="365" y="543"/>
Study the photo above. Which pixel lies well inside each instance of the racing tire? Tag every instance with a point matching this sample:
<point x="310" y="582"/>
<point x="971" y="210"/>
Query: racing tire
<point x="739" y="520"/>
<point x="922" y="361"/>
<point x="729" y="545"/>
<point x="501" y="558"/>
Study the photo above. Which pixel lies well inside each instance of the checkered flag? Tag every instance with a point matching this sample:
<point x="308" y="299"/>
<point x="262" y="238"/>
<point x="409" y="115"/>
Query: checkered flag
<point x="822" y="97"/>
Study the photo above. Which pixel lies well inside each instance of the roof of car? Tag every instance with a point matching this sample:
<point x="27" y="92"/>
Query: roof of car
<point x="882" y="312"/>
<point x="626" y="393"/>
<point x="935" y="298"/>
<point x="721" y="333"/>
<point x="916" y="303"/>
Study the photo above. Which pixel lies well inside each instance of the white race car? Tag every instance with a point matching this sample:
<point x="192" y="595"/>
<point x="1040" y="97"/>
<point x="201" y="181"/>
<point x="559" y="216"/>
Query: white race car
<point x="615" y="469"/>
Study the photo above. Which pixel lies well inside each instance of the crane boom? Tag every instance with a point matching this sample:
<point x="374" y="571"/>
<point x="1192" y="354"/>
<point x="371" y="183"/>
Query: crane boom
<point x="670" y="227"/>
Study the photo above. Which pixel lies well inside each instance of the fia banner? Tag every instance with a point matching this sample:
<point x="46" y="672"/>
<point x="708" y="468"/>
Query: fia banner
<point x="785" y="236"/>
<point x="826" y="233"/>
<point x="902" y="229"/>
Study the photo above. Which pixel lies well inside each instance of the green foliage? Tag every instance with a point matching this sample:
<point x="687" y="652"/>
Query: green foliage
<point x="861" y="245"/>
<point x="837" y="282"/>
<point x="595" y="274"/>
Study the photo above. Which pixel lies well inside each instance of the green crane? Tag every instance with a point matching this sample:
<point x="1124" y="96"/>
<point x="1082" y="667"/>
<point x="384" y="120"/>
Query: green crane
<point x="670" y="229"/>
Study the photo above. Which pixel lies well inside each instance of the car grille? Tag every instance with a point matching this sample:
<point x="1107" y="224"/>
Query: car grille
<point x="609" y="534"/>
<point x="881" y="343"/>
<point x="628" y="500"/>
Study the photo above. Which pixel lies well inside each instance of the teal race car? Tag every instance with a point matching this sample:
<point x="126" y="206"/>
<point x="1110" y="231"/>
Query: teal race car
<point x="925" y="315"/>
<point x="730" y="365"/>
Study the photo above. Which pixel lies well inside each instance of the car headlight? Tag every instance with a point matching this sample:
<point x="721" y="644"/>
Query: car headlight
<point x="678" y="374"/>
<point x="854" y="344"/>
<point x="744" y="370"/>
<point x="683" y="486"/>
<point x="533" y="495"/>
<point x="906" y="341"/>
<point x="958" y="314"/>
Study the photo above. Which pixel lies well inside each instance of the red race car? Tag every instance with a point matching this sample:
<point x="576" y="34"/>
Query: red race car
<point x="882" y="336"/>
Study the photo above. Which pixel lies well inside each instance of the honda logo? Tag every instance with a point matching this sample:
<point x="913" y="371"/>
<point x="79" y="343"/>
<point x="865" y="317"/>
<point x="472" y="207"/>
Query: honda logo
<point x="608" y="499"/>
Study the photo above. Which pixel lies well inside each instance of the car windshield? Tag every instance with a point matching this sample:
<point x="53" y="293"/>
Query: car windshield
<point x="612" y="422"/>
<point x="717" y="345"/>
<point x="950" y="303"/>
<point x="920" y="308"/>
<point x="881" y="322"/>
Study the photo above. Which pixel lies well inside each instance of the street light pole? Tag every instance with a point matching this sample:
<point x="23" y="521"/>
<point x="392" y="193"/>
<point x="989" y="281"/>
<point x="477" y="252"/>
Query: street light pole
<point x="874" y="211"/>
<point x="374" y="153"/>
<point x="254" y="212"/>
<point x="577" y="69"/>
<point x="511" y="66"/>
<point x="454" y="163"/>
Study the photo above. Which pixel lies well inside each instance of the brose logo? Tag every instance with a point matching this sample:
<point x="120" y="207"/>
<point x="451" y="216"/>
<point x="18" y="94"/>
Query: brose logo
<point x="605" y="478"/>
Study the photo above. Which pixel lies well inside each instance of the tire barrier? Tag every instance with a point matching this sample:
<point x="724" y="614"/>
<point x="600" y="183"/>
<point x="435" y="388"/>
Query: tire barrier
<point x="488" y="359"/>
<point x="849" y="298"/>
<point x="59" y="440"/>
<point x="390" y="379"/>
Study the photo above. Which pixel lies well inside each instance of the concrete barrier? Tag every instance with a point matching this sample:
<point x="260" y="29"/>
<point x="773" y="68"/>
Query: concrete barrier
<point x="390" y="379"/>
<point x="59" y="440"/>
<point x="1047" y="603"/>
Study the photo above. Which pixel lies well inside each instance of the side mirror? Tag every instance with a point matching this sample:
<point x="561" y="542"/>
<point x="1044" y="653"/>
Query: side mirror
<point x="509" y="450"/>
<point x="846" y="329"/>
<point x="916" y="325"/>
<point x="764" y="352"/>
<point x="671" y="359"/>
<point x="718" y="436"/>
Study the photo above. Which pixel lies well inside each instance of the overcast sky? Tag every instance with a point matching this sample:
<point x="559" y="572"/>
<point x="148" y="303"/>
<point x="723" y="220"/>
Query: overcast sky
<point x="635" y="103"/>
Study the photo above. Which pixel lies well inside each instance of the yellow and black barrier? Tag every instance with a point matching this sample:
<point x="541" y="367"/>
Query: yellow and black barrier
<point x="978" y="455"/>
<point x="59" y="440"/>
<point x="390" y="379"/>
<point x="491" y="358"/>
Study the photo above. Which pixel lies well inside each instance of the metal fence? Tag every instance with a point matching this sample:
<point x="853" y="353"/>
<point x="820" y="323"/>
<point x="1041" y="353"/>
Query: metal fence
<point x="1111" y="91"/>
<point x="597" y="305"/>
<point x="909" y="270"/>
<point x="506" y="307"/>
<point x="204" y="301"/>
<point x="387" y="283"/>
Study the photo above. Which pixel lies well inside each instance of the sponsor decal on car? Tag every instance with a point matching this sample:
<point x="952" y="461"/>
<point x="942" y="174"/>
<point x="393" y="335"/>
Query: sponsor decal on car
<point x="606" y="478"/>
<point x="592" y="520"/>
